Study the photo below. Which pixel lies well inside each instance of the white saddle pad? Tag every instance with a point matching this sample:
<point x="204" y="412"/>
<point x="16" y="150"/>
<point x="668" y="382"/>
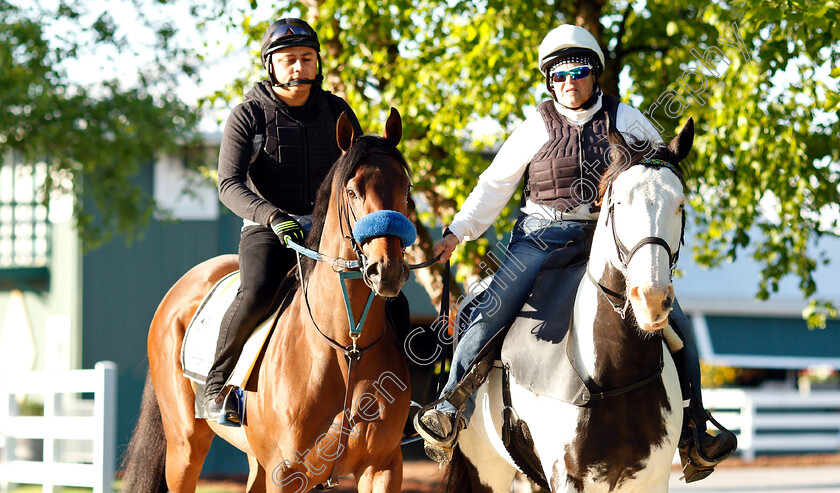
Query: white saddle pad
<point x="199" y="347"/>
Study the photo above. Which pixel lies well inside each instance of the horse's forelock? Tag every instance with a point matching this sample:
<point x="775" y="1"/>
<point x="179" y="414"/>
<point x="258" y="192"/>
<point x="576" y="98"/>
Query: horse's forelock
<point x="623" y="157"/>
<point x="340" y="173"/>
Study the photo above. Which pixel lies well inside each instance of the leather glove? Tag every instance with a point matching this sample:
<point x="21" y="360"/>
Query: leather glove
<point x="284" y="226"/>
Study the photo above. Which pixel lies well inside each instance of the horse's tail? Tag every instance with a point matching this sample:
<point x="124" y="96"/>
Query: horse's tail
<point x="143" y="465"/>
<point x="457" y="479"/>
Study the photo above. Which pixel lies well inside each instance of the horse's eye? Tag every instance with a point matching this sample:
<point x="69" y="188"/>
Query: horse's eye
<point x="351" y="193"/>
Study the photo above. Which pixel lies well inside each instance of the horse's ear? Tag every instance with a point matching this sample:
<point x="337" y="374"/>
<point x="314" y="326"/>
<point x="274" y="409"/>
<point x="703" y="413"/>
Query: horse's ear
<point x="681" y="145"/>
<point x="393" y="127"/>
<point x="344" y="132"/>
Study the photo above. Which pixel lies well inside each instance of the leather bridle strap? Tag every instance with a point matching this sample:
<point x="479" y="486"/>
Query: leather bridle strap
<point x="343" y="436"/>
<point x="625" y="254"/>
<point x="607" y="292"/>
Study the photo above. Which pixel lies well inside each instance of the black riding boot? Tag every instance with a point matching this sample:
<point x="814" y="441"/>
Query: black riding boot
<point x="223" y="408"/>
<point x="700" y="452"/>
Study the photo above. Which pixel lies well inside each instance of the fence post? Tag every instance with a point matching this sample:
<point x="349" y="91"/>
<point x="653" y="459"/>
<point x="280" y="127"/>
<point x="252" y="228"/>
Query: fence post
<point x="8" y="407"/>
<point x="747" y="428"/>
<point x="105" y="412"/>
<point x="52" y="408"/>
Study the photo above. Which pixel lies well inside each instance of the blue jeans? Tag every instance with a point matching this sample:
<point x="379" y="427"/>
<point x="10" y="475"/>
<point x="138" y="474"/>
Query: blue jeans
<point x="533" y="238"/>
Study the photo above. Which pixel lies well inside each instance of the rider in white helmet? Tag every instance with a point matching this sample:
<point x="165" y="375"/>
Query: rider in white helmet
<point x="560" y="153"/>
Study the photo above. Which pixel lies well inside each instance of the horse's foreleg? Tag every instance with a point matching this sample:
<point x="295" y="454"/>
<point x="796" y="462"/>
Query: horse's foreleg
<point x="256" y="476"/>
<point x="382" y="478"/>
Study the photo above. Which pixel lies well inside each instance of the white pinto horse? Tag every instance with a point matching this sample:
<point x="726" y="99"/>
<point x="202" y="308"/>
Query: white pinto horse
<point x="625" y="437"/>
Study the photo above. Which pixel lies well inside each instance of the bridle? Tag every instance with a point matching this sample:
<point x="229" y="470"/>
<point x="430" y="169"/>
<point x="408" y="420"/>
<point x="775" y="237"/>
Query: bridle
<point x="625" y="255"/>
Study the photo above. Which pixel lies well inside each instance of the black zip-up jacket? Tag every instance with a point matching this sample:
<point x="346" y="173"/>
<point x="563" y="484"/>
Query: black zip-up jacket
<point x="293" y="151"/>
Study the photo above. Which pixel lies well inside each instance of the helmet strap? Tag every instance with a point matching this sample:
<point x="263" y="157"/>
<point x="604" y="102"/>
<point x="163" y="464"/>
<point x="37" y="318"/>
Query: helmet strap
<point x="316" y="81"/>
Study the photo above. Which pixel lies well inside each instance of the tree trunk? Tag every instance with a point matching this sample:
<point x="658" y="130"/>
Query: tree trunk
<point x="587" y="14"/>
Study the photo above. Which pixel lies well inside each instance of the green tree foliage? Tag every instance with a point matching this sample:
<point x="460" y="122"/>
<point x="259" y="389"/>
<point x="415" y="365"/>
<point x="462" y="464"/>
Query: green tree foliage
<point x="97" y="135"/>
<point x="765" y="170"/>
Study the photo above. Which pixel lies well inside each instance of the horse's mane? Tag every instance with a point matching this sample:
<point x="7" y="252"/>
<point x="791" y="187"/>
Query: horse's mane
<point x="339" y="174"/>
<point x="623" y="157"/>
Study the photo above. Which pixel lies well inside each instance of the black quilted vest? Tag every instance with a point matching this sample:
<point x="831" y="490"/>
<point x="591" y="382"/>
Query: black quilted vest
<point x="295" y="158"/>
<point x="566" y="171"/>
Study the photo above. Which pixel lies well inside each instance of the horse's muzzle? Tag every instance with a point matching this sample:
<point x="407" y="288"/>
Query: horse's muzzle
<point x="386" y="278"/>
<point x="651" y="305"/>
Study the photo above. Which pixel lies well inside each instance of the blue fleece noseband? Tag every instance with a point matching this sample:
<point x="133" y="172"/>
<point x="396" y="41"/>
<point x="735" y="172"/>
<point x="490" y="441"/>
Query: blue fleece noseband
<point x="385" y="223"/>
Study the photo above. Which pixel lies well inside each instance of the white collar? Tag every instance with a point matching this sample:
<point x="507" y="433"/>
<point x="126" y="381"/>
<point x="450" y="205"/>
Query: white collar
<point x="578" y="117"/>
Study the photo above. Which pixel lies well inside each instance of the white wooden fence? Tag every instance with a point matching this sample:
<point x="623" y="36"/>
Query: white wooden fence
<point x="54" y="425"/>
<point x="778" y="421"/>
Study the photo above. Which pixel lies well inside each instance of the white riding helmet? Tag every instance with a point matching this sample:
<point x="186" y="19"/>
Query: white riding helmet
<point x="568" y="39"/>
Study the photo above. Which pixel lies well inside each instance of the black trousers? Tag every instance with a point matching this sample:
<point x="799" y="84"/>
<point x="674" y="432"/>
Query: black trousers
<point x="691" y="365"/>
<point x="263" y="263"/>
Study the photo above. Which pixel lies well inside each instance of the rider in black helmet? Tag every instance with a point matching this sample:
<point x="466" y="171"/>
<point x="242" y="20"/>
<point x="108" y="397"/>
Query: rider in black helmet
<point x="277" y="148"/>
<point x="287" y="33"/>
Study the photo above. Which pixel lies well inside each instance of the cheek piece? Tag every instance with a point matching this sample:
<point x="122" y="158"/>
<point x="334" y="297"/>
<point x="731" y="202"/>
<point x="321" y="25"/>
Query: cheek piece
<point x="385" y="223"/>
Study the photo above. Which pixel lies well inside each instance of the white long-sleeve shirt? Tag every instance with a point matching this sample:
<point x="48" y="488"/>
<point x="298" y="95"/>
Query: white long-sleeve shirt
<point x="499" y="181"/>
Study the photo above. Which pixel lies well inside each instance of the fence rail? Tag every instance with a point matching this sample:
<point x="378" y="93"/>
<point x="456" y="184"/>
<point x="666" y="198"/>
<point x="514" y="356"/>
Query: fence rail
<point x="778" y="420"/>
<point x="53" y="427"/>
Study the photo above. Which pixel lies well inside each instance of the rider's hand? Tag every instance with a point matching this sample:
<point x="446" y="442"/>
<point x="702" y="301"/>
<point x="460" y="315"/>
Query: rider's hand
<point x="445" y="246"/>
<point x="284" y="226"/>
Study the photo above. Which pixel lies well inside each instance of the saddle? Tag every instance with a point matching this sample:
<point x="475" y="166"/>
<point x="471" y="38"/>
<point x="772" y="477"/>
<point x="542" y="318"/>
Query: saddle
<point x="199" y="346"/>
<point x="539" y="331"/>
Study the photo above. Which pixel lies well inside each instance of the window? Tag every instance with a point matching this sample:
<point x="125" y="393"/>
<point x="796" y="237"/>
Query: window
<point x="24" y="222"/>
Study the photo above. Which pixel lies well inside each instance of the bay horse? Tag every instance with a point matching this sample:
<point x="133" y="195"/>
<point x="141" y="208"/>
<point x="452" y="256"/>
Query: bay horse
<point x="303" y="425"/>
<point x="623" y="437"/>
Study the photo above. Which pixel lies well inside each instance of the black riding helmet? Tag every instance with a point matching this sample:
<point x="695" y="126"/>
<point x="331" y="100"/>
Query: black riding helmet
<point x="285" y="33"/>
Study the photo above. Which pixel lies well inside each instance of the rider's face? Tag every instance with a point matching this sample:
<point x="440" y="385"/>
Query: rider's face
<point x="571" y="92"/>
<point x="294" y="63"/>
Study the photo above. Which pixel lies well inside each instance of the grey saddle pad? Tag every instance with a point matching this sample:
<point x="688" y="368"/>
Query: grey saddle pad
<point x="535" y="346"/>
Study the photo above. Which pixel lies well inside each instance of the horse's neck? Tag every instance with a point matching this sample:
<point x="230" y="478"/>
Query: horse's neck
<point x="605" y="340"/>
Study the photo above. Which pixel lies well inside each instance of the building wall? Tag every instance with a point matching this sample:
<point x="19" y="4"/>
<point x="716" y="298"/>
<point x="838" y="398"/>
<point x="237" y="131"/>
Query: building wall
<point x="47" y="334"/>
<point x="122" y="287"/>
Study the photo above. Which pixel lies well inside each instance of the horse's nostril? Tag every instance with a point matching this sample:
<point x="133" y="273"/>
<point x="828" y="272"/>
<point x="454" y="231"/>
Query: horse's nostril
<point x="372" y="270"/>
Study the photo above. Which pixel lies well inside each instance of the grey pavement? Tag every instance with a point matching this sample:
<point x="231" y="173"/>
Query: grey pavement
<point x="810" y="479"/>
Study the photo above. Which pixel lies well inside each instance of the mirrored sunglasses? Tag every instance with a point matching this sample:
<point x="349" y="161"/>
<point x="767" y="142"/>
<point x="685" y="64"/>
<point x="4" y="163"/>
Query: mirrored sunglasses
<point x="576" y="73"/>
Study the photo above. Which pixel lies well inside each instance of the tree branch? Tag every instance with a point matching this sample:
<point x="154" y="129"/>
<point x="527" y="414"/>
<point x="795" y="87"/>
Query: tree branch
<point x="634" y="49"/>
<point x="622" y="29"/>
